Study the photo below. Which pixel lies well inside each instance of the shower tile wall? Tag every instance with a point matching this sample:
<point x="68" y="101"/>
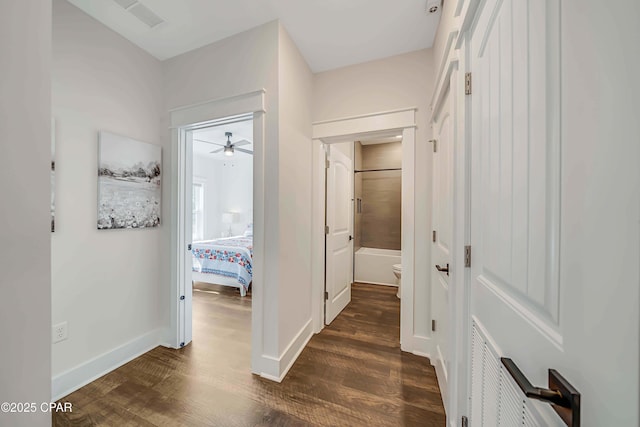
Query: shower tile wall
<point x="379" y="223"/>
<point x="357" y="191"/>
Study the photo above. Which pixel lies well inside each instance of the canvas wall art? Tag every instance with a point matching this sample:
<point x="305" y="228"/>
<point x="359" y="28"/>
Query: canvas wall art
<point x="129" y="183"/>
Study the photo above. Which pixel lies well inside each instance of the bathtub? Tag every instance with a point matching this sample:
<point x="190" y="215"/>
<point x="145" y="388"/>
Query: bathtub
<point x="376" y="266"/>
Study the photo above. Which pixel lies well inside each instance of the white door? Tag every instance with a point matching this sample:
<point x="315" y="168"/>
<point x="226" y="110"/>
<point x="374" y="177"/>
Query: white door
<point x="441" y="261"/>
<point x="339" y="237"/>
<point x="546" y="291"/>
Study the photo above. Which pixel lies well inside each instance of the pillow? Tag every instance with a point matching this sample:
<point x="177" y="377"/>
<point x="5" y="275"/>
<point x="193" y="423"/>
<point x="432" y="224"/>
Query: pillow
<point x="249" y="231"/>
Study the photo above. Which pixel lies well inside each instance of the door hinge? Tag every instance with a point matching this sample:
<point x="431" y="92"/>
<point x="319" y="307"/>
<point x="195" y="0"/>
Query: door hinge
<point x="433" y="325"/>
<point x="467" y="256"/>
<point x="467" y="84"/>
<point x="189" y="247"/>
<point x="326" y="229"/>
<point x="327" y="164"/>
<point x="435" y="145"/>
<point x="181" y="297"/>
<point x="326" y="295"/>
<point x="433" y="235"/>
<point x="465" y="421"/>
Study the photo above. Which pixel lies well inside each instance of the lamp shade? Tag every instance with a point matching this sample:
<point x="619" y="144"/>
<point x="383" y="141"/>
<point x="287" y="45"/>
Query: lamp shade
<point x="230" y="217"/>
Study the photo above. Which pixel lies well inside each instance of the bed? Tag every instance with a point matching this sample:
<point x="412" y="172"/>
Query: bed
<point x="225" y="261"/>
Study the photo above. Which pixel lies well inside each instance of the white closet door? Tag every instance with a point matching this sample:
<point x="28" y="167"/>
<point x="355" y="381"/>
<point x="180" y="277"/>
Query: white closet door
<point x="442" y="205"/>
<point x="534" y="272"/>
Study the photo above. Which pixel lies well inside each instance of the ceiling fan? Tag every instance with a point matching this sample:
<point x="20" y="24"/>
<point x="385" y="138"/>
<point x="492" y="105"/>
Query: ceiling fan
<point x="230" y="147"/>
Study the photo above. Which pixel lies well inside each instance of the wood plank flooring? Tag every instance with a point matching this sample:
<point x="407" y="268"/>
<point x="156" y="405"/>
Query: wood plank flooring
<point x="351" y="374"/>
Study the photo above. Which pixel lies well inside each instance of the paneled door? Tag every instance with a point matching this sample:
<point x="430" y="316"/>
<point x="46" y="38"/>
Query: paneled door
<point x="339" y="235"/>
<point x="529" y="292"/>
<point x="442" y="205"/>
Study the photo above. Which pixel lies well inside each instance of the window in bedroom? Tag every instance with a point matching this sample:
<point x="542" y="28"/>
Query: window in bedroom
<point x="198" y="211"/>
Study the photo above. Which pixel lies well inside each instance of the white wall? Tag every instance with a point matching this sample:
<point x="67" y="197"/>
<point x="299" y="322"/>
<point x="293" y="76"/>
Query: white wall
<point x="105" y="284"/>
<point x="228" y="188"/>
<point x="25" y="155"/>
<point x="204" y="169"/>
<point x="398" y="82"/>
<point x="295" y="91"/>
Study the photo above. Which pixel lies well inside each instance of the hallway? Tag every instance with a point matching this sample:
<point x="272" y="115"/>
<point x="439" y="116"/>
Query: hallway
<point x="351" y="374"/>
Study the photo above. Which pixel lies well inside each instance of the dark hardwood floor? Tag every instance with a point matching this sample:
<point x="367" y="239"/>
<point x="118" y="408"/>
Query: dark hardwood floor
<point x="351" y="374"/>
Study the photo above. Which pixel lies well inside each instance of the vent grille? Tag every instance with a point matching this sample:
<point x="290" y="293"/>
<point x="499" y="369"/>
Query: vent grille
<point x="140" y="11"/>
<point x="496" y="400"/>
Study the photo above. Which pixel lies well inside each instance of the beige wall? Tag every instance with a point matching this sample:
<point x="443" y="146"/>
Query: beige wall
<point x="106" y="284"/>
<point x="295" y="92"/>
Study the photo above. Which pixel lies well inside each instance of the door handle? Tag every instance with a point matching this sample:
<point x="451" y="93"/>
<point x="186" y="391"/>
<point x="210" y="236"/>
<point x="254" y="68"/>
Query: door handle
<point x="350" y="238"/>
<point x="562" y="396"/>
<point x="443" y="269"/>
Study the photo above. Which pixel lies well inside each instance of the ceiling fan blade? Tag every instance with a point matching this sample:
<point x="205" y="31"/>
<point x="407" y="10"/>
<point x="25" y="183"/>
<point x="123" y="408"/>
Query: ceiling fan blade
<point x="242" y="150"/>
<point x="209" y="142"/>
<point x="241" y="143"/>
<point x="216" y="151"/>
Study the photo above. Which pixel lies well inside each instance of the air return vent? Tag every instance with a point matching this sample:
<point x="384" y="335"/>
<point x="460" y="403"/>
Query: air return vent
<point x="140" y="11"/>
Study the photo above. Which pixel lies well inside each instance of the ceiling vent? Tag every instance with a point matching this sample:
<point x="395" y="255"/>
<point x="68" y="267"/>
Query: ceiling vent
<point x="140" y="11"/>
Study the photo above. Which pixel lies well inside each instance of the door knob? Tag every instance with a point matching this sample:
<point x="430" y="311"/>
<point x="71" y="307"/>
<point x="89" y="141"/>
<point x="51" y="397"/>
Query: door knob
<point x="350" y="238"/>
<point x="443" y="269"/>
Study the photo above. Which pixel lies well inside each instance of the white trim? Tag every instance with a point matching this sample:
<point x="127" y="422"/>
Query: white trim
<point x="443" y="86"/>
<point x="75" y="378"/>
<point x="367" y="282"/>
<point x="275" y="369"/>
<point x="236" y="105"/>
<point x="318" y="235"/>
<point x="444" y="64"/>
<point x="223" y="99"/>
<point x="408" y="214"/>
<point x="421" y="346"/>
<point x="400" y="119"/>
<point x="342" y="129"/>
<point x="362" y="116"/>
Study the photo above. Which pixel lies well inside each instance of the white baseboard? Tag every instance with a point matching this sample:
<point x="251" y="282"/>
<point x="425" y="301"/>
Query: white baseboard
<point x="276" y="368"/>
<point x="367" y="282"/>
<point x="421" y="346"/>
<point x="71" y="380"/>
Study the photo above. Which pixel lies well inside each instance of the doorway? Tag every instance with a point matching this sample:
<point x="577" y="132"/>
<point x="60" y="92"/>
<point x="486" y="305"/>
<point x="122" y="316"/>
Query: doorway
<point x="184" y="121"/>
<point x="383" y="125"/>
<point x="222" y="236"/>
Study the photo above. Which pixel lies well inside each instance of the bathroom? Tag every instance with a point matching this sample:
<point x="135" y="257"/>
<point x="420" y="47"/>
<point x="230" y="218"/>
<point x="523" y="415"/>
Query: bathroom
<point x="377" y="211"/>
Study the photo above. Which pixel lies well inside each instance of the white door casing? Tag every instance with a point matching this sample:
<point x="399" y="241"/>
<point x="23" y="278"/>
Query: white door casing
<point x="441" y="254"/>
<point x="339" y="239"/>
<point x="186" y="289"/>
<point x="526" y="288"/>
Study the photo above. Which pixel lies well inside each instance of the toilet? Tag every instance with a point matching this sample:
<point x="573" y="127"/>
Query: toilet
<point x="397" y="271"/>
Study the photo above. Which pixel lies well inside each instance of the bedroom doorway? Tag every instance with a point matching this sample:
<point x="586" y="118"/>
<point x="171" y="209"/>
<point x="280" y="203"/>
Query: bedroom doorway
<point x="221" y="243"/>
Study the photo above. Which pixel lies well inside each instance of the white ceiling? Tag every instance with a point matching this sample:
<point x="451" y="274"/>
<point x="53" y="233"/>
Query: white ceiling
<point x="240" y="130"/>
<point x="329" y="33"/>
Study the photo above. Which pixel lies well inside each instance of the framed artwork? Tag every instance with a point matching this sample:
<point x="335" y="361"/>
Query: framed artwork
<point x="129" y="183"/>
